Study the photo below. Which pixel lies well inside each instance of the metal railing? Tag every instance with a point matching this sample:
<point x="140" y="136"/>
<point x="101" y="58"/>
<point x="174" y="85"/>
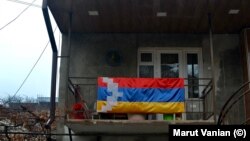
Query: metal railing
<point x="201" y="106"/>
<point x="235" y="104"/>
<point x="197" y="108"/>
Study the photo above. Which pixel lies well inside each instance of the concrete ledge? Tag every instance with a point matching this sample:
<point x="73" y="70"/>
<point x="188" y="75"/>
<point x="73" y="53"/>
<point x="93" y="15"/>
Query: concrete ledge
<point x="126" y="127"/>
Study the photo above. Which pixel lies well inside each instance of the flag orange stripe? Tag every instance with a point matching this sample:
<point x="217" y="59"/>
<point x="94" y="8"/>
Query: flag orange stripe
<point x="144" y="107"/>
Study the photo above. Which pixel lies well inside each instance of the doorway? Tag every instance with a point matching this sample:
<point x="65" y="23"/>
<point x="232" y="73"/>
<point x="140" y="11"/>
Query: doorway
<point x="173" y="63"/>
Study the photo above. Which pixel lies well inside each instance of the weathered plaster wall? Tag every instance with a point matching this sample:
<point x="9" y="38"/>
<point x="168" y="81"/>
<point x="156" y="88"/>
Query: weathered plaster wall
<point x="88" y="51"/>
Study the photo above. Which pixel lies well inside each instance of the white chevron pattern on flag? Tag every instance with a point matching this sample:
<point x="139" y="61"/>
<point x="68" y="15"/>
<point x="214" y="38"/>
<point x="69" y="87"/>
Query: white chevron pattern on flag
<point x="113" y="89"/>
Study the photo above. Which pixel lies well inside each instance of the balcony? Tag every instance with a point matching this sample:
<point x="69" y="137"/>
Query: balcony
<point x="199" y="110"/>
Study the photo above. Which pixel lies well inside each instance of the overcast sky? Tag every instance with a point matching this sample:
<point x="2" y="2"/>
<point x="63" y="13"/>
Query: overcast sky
<point x="21" y="43"/>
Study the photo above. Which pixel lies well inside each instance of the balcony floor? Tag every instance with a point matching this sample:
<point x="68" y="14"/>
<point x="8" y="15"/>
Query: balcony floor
<point x="127" y="127"/>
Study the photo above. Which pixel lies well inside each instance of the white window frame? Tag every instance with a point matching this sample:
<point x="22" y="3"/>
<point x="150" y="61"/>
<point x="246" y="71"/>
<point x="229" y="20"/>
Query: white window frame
<point x="182" y="51"/>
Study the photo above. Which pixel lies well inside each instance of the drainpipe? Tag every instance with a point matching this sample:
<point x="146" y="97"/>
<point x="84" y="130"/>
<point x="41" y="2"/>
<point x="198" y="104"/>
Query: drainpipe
<point x="212" y="63"/>
<point x="54" y="64"/>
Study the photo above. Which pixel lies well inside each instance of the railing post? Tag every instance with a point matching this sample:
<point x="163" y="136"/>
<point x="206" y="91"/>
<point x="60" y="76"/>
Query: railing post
<point x="204" y="108"/>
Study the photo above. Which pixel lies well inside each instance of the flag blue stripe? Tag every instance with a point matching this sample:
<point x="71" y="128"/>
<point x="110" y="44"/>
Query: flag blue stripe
<point x="145" y="94"/>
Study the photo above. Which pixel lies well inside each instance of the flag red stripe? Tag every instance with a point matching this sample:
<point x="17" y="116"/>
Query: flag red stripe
<point x="144" y="82"/>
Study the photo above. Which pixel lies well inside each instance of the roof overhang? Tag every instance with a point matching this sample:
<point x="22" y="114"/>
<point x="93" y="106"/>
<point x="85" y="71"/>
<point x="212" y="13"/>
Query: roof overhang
<point x="139" y="16"/>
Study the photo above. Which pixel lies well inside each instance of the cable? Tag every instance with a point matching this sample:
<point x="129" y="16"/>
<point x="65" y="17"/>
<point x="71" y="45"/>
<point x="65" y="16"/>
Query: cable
<point x="17" y="16"/>
<point x="30" y="71"/>
<point x="79" y="134"/>
<point x="25" y="3"/>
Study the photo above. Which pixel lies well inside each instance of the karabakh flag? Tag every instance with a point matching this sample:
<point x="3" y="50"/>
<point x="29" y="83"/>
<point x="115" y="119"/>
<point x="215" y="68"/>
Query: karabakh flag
<point x="140" y="95"/>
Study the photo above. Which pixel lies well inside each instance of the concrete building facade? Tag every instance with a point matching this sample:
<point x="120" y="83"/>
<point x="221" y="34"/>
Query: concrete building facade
<point x="220" y="55"/>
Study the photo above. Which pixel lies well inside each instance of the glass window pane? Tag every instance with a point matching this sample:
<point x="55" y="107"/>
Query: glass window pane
<point x="167" y="58"/>
<point x="193" y="75"/>
<point x="169" y="65"/>
<point x="146" y="57"/>
<point x="146" y="71"/>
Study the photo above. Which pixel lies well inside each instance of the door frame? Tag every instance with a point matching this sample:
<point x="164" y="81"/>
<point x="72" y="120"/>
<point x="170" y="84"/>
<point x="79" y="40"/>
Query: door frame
<point x="182" y="51"/>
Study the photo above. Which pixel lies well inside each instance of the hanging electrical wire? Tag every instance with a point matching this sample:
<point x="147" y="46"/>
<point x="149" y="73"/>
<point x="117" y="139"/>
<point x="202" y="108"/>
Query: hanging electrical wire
<point x="17" y="15"/>
<point x="25" y="3"/>
<point x="29" y="72"/>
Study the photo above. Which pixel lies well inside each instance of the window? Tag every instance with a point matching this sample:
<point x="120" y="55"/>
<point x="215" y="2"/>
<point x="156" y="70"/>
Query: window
<point x="192" y="75"/>
<point x="146" y="67"/>
<point x="146" y="57"/>
<point x="169" y="65"/>
<point x="172" y="63"/>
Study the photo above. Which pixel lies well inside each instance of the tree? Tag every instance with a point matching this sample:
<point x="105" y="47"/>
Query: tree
<point x="11" y="99"/>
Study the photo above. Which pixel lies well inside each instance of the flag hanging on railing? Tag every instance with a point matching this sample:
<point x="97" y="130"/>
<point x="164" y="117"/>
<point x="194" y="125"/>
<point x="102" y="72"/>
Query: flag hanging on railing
<point x="140" y="95"/>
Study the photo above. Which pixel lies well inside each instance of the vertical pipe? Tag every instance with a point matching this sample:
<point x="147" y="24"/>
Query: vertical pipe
<point x="212" y="64"/>
<point x="68" y="59"/>
<point x="70" y="134"/>
<point x="246" y="67"/>
<point x="54" y="63"/>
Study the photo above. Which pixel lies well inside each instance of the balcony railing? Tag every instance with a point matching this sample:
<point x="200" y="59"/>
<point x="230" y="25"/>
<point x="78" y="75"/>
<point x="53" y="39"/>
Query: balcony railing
<point x="201" y="107"/>
<point x="197" y="108"/>
<point x="233" y="110"/>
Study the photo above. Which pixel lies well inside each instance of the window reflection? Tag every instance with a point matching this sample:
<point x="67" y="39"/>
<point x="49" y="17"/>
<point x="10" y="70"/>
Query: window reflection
<point x="193" y="75"/>
<point x="146" y="71"/>
<point x="169" y="65"/>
